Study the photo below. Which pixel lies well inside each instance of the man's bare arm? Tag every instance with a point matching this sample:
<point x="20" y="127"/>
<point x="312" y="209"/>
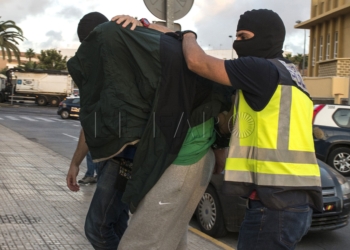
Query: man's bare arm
<point x="201" y="63"/>
<point x="126" y="20"/>
<point x="79" y="155"/>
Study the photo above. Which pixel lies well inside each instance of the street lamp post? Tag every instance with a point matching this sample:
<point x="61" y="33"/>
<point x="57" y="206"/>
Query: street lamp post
<point x="304" y="48"/>
<point x="232" y="46"/>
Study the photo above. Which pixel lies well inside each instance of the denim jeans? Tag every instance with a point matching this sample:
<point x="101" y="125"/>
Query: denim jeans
<point x="268" y="229"/>
<point x="91" y="167"/>
<point x="108" y="216"/>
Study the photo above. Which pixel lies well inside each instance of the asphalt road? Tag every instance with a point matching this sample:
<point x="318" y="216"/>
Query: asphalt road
<point x="44" y="126"/>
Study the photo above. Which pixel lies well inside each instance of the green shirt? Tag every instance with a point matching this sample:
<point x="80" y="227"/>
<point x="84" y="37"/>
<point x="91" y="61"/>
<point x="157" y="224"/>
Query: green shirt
<point x="197" y="143"/>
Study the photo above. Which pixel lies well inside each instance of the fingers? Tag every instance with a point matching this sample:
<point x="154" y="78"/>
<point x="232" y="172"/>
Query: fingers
<point x="72" y="184"/>
<point x="126" y="20"/>
<point x="71" y="179"/>
<point x="134" y="24"/>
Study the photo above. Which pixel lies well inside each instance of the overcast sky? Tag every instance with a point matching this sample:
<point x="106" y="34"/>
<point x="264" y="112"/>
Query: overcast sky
<point x="52" y="23"/>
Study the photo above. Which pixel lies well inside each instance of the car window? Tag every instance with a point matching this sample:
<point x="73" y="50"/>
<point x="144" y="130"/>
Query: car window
<point x="68" y="100"/>
<point x="76" y="100"/>
<point x="342" y="118"/>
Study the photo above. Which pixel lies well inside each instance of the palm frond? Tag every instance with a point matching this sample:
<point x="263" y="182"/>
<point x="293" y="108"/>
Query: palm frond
<point x="10" y="35"/>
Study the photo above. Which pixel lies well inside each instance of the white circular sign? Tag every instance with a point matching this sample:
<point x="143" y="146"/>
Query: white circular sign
<point x="158" y="8"/>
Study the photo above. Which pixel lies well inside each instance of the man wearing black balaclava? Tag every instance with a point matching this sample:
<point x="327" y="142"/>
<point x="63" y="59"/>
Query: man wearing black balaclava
<point x="271" y="159"/>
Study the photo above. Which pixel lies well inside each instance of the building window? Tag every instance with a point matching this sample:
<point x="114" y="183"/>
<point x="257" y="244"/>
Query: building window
<point x="335" y="4"/>
<point x="328" y="46"/>
<point x="328" y="5"/>
<point x="336" y="44"/>
<point x="321" y="49"/>
<point x="314" y="53"/>
<point x="322" y="8"/>
<point x="315" y="10"/>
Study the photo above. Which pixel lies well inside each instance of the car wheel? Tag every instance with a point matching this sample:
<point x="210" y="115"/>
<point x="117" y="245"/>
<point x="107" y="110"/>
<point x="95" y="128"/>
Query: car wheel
<point x="64" y="114"/>
<point x="42" y="101"/>
<point x="339" y="159"/>
<point x="54" y="101"/>
<point x="209" y="214"/>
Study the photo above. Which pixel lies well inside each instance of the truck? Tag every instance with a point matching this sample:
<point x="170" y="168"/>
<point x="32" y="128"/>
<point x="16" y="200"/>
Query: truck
<point x="42" y="86"/>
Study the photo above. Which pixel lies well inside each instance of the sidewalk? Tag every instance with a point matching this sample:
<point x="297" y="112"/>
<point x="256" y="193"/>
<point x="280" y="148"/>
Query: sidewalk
<point x="37" y="211"/>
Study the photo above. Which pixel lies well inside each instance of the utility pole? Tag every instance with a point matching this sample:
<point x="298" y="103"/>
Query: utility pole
<point x="169" y="11"/>
<point x="298" y="22"/>
<point x="231" y="46"/>
<point x="170" y="14"/>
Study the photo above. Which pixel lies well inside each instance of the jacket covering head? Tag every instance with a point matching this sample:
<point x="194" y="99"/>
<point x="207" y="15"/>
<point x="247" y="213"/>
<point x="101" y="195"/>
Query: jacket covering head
<point x="88" y="23"/>
<point x="269" y="33"/>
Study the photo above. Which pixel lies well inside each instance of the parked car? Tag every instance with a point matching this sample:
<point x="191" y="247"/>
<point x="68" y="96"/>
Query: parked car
<point x="331" y="131"/>
<point x="218" y="213"/>
<point x="69" y="108"/>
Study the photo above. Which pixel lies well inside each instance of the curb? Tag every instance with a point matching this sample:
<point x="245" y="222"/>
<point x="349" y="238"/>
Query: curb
<point x="9" y="105"/>
<point x="211" y="239"/>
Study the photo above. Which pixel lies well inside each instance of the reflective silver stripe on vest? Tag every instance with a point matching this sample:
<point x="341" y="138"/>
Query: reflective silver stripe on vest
<point x="273" y="155"/>
<point x="276" y="179"/>
<point x="284" y="120"/>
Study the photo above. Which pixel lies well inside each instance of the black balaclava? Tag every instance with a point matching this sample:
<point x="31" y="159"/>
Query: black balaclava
<point x="269" y="33"/>
<point x="88" y="23"/>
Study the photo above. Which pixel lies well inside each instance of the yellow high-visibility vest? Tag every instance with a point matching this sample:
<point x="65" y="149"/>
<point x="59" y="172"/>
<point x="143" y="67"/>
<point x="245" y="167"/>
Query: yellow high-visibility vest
<point x="274" y="147"/>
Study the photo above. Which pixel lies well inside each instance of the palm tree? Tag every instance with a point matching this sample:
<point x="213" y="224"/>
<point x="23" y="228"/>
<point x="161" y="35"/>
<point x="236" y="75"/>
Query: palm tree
<point x="10" y="33"/>
<point x="298" y="60"/>
<point x="289" y="57"/>
<point x="30" y="54"/>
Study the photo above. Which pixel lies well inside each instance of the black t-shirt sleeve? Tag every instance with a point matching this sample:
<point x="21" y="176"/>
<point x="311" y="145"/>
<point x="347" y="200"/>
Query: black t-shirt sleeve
<point x="256" y="77"/>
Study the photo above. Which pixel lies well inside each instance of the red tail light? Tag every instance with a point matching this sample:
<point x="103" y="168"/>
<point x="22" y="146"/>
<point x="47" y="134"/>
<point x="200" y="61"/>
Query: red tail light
<point x="317" y="110"/>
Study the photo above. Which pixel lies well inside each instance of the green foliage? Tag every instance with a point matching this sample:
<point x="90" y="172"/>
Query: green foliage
<point x="28" y="66"/>
<point x="10" y="33"/>
<point x="52" y="59"/>
<point x="30" y="54"/>
<point x="3" y="71"/>
<point x="298" y="60"/>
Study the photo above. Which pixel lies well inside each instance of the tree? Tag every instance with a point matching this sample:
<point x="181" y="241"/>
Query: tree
<point x="289" y="57"/>
<point x="10" y="33"/>
<point x="297" y="60"/>
<point x="3" y="71"/>
<point x="30" y="54"/>
<point x="52" y="59"/>
<point x="28" y="66"/>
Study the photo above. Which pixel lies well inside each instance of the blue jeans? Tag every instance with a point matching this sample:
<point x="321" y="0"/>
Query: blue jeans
<point x="91" y="167"/>
<point x="268" y="229"/>
<point x="108" y="216"/>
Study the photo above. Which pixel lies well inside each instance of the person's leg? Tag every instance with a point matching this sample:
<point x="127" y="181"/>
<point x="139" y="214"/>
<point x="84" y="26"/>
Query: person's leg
<point x="183" y="242"/>
<point x="90" y="172"/>
<point x="263" y="228"/>
<point x="108" y="216"/>
<point x="161" y="219"/>
<point x="91" y="167"/>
